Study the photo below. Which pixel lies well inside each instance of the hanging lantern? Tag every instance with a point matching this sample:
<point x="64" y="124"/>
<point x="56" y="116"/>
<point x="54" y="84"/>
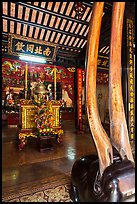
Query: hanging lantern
<point x="79" y="9"/>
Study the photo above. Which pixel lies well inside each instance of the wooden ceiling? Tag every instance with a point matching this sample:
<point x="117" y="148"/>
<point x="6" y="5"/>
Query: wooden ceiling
<point x="54" y="22"/>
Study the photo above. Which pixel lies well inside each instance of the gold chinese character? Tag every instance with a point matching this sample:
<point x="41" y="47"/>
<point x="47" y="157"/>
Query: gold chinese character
<point x="132" y="118"/>
<point x="130" y="50"/>
<point x="20" y="46"/>
<point x="132" y="94"/>
<point x="132" y="136"/>
<point x="129" y="25"/>
<point x="130" y="56"/>
<point x="131" y="106"/>
<point x="132" y="124"/>
<point x="131" y="75"/>
<point x="47" y="51"/>
<point x="30" y="48"/>
<point x="130" y="37"/>
<point x="38" y="50"/>
<point x="99" y="61"/>
<point x="131" y="112"/>
<point x="131" y="81"/>
<point x="132" y="129"/>
<point x="131" y="88"/>
<point x="130" y="43"/>
<point x="104" y="63"/>
<point x="130" y="61"/>
<point x="132" y="100"/>
<point x="130" y="32"/>
<point x="130" y="68"/>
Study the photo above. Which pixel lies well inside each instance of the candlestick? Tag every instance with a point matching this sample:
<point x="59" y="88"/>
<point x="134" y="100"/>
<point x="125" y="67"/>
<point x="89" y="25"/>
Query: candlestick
<point x="55" y="79"/>
<point x="26" y="80"/>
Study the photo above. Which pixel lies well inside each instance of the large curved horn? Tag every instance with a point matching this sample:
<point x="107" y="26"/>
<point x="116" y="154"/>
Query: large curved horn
<point x="100" y="137"/>
<point x="118" y="126"/>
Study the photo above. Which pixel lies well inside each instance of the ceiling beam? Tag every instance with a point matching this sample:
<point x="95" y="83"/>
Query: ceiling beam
<point x="52" y="13"/>
<point x="88" y="4"/>
<point x="107" y="5"/>
<point x="42" y="26"/>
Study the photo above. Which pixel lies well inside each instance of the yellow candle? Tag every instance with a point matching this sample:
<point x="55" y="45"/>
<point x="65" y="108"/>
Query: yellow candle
<point x="26" y="79"/>
<point x="55" y="78"/>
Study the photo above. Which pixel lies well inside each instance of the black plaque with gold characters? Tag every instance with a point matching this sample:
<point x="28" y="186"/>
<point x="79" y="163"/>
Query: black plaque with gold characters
<point x="20" y="45"/>
<point x="131" y="79"/>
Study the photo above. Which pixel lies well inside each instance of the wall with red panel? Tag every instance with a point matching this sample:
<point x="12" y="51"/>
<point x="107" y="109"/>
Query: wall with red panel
<point x="13" y="76"/>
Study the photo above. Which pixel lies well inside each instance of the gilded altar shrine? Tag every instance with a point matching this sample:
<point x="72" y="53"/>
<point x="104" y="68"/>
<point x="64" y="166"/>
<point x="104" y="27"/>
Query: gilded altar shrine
<point x="39" y="120"/>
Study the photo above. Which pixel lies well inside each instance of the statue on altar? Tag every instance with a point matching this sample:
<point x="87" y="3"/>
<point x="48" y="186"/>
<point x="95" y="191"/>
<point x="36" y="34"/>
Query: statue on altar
<point x="9" y="102"/>
<point x="50" y="92"/>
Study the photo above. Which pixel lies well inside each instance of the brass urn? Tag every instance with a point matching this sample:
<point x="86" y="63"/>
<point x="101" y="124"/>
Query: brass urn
<point x="39" y="92"/>
<point x="40" y="88"/>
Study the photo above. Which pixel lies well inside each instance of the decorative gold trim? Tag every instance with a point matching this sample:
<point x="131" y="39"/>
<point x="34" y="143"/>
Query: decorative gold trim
<point x="59" y="133"/>
<point x="103" y="68"/>
<point x="26" y="102"/>
<point x="27" y="127"/>
<point x="101" y="56"/>
<point x="23" y="121"/>
<point x="45" y="102"/>
<point x="71" y="69"/>
<point x="23" y="136"/>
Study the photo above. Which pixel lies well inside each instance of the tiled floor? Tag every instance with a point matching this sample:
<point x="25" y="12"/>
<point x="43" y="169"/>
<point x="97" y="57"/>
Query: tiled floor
<point x="30" y="167"/>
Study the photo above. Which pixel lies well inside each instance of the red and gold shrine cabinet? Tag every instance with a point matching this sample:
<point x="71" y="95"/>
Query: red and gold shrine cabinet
<point x="27" y="123"/>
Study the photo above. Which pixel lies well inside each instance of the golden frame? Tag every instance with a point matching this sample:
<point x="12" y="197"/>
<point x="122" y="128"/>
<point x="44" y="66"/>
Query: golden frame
<point x="15" y="36"/>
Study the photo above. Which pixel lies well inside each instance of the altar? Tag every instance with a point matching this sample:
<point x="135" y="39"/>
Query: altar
<point x="42" y="122"/>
